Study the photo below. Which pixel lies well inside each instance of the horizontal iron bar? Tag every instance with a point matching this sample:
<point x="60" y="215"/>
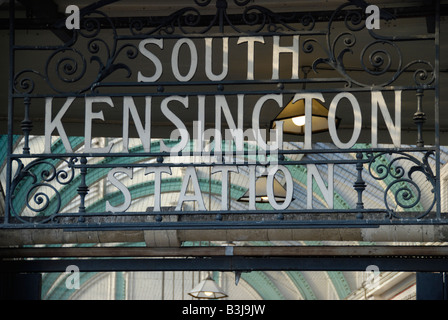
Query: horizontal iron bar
<point x="216" y="251"/>
<point x="261" y="82"/>
<point x="224" y="163"/>
<point x="205" y="225"/>
<point x="242" y="225"/>
<point x="223" y="83"/>
<point x="244" y="264"/>
<point x="201" y="36"/>
<point x="223" y="153"/>
<point x="282" y="33"/>
<point x="217" y="92"/>
<point x="226" y="212"/>
<point x="54" y="24"/>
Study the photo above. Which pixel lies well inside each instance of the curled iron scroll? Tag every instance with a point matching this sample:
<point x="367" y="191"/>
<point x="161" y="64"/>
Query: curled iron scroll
<point x="66" y="68"/>
<point x="36" y="188"/>
<point x="401" y="190"/>
<point x="256" y="19"/>
<point x="381" y="58"/>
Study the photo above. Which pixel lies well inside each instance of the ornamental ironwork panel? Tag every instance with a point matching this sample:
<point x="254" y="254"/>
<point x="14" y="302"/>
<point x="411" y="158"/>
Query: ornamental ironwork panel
<point x="208" y="100"/>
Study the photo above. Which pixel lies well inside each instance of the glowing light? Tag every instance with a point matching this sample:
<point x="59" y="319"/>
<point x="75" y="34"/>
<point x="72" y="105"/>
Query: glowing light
<point x="299" y="121"/>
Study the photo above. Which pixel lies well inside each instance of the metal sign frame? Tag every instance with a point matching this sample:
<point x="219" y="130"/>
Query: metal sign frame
<point x="189" y="23"/>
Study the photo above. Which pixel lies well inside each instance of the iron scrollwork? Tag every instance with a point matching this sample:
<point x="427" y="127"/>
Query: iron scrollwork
<point x="36" y="189"/>
<point x="256" y="17"/>
<point x="381" y="58"/>
<point x="66" y="68"/>
<point x="401" y="189"/>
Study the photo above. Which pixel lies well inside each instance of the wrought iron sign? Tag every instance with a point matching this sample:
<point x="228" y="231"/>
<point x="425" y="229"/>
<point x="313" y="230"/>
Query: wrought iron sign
<point x="212" y="73"/>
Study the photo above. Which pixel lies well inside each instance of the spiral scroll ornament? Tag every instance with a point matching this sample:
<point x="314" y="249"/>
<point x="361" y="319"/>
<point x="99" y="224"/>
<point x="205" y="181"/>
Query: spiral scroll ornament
<point x="189" y="20"/>
<point x="403" y="192"/>
<point x="36" y="189"/>
<point x="381" y="59"/>
<point x="68" y="69"/>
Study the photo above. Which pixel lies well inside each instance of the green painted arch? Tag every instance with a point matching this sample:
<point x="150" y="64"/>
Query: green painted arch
<point x="340" y="283"/>
<point x="262" y="285"/>
<point x="54" y="285"/>
<point x="4" y="147"/>
<point x="49" y="284"/>
<point x="120" y="286"/>
<point x="337" y="278"/>
<point x="302" y="285"/>
<point x="52" y="291"/>
<point x="258" y="280"/>
<point x="61" y="292"/>
<point x="49" y="288"/>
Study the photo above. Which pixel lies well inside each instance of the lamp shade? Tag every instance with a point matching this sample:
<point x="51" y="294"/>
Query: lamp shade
<point x="207" y="289"/>
<point x="293" y="117"/>
<point x="260" y="191"/>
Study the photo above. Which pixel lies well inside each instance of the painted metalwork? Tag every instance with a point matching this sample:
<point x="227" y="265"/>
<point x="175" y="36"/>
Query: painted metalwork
<point x="244" y="264"/>
<point x="67" y="72"/>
